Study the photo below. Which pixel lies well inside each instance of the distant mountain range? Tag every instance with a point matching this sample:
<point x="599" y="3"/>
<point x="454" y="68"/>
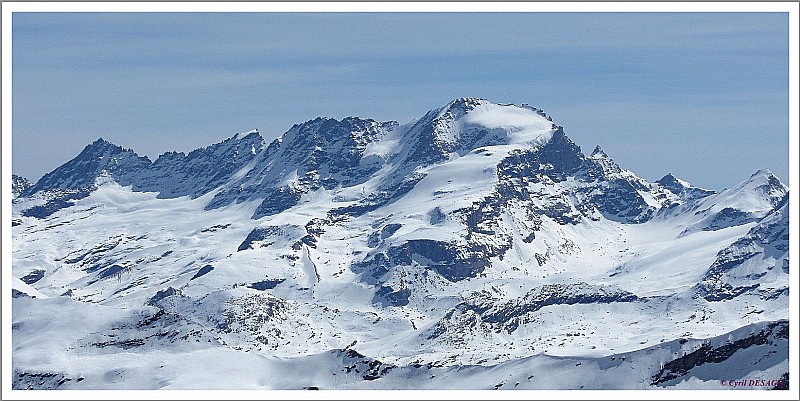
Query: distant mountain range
<point x="476" y="247"/>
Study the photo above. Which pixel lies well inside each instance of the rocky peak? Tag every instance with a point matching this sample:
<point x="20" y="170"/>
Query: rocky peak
<point x="762" y="185"/>
<point x="672" y="183"/>
<point x="683" y="189"/>
<point x="98" y="157"/>
<point x="101" y="149"/>
<point x="598" y="152"/>
<point x="765" y="178"/>
<point x="248" y="134"/>
<point x="606" y="164"/>
<point x="537" y="110"/>
<point x="465" y="104"/>
<point x="101" y="143"/>
<point x="19" y="185"/>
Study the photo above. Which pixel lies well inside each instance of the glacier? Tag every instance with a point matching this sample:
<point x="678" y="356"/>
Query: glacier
<point x="476" y="247"/>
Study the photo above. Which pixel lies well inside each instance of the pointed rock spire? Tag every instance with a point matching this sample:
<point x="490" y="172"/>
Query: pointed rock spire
<point x="598" y="152"/>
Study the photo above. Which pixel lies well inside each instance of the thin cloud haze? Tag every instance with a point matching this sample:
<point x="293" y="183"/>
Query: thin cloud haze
<point x="660" y="92"/>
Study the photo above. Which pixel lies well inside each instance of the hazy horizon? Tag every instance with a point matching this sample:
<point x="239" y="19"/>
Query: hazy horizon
<point x="659" y="92"/>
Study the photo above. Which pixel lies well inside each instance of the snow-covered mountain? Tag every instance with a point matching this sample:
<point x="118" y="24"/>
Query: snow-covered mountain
<point x="474" y="247"/>
<point x="682" y="188"/>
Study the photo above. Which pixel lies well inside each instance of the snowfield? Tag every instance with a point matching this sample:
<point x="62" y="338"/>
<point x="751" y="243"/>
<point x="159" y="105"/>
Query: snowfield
<point x="474" y="248"/>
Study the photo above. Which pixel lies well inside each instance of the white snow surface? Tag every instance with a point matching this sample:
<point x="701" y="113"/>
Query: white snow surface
<point x="523" y="125"/>
<point x="106" y="258"/>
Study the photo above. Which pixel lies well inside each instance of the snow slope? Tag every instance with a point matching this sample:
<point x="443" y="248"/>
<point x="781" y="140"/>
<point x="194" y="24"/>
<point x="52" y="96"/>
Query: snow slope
<point x="476" y="247"/>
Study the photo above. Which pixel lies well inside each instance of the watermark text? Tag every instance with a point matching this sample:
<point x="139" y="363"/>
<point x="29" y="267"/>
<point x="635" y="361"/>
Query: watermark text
<point x="751" y="383"/>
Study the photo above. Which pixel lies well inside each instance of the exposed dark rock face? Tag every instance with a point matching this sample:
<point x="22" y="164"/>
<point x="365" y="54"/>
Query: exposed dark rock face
<point x="687" y="193"/>
<point x="34" y="276"/>
<point x="617" y="194"/>
<point x="261" y="237"/>
<point x="15" y="293"/>
<point x="111" y="271"/>
<point x="320" y="153"/>
<point x="729" y="276"/>
<point x="619" y="200"/>
<point x="265" y="284"/>
<point x="377" y="237"/>
<point x="485" y="310"/>
<point x="708" y="354"/>
<point x="57" y="199"/>
<point x="606" y="189"/>
<point x="19" y="185"/>
<point x="176" y="174"/>
<point x="729" y="217"/>
<point x="277" y="200"/>
<point x="259" y="234"/>
<point x="22" y="380"/>
<point x="387" y="296"/>
<point x="437" y="216"/>
<point x="161" y="294"/>
<point x="450" y="260"/>
<point x="367" y="368"/>
<point x="98" y="158"/>
<point x="202" y="272"/>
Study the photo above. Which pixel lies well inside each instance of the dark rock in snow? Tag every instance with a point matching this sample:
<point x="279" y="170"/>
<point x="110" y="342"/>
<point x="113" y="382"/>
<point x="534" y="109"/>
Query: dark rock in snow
<point x="729" y="217"/>
<point x="161" y="294"/>
<point x="265" y="284"/>
<point x="57" y="199"/>
<point x="437" y="216"/>
<point x="708" y="354"/>
<point x="387" y="296"/>
<point x="202" y="272"/>
<point x="510" y="315"/>
<point x="15" y="293"/>
<point x="260" y="234"/>
<point x="34" y="276"/>
<point x="23" y="380"/>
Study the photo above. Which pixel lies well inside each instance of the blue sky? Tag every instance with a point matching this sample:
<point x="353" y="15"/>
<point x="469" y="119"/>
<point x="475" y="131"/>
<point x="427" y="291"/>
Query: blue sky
<point x="704" y="96"/>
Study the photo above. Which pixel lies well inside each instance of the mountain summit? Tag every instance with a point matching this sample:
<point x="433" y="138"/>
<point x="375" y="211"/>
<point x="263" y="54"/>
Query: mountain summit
<point x="98" y="157"/>
<point x="474" y="247"/>
<point x="327" y="153"/>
